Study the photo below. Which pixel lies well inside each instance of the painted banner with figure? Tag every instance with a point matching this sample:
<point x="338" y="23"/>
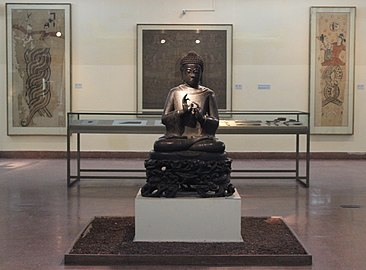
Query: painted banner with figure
<point x="38" y="51"/>
<point x="332" y="65"/>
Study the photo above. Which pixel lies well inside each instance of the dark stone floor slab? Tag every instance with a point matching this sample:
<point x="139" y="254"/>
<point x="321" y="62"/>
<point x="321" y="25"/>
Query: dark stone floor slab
<point x="266" y="242"/>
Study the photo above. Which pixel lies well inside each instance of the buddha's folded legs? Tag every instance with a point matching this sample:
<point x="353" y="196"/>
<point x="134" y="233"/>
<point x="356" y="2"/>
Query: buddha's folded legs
<point x="204" y="144"/>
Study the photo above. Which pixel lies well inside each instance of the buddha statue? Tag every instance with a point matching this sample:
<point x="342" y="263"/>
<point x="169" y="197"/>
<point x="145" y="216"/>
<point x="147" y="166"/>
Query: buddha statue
<point x="189" y="157"/>
<point x="190" y="113"/>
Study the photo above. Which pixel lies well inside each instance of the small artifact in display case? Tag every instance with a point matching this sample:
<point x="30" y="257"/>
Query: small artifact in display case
<point x="280" y="121"/>
<point x="236" y="123"/>
<point x="292" y="122"/>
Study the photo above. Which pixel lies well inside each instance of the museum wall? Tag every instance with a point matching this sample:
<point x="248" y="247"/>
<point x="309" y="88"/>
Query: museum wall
<point x="270" y="45"/>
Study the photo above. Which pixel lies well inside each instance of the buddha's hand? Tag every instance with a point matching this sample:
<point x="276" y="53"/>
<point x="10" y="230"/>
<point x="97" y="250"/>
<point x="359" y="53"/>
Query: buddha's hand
<point x="197" y="112"/>
<point x="184" y="105"/>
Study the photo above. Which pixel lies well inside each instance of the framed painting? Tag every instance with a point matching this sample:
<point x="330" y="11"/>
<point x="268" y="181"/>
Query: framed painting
<point x="332" y="49"/>
<point x="38" y="68"/>
<point x="159" y="50"/>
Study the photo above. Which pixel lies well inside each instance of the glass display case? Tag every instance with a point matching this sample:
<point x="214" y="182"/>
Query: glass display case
<point x="281" y="122"/>
<point x="234" y="122"/>
<point x="115" y="122"/>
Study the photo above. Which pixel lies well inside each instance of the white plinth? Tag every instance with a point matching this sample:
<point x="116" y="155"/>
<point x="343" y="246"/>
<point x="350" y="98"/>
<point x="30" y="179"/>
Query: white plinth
<point x="188" y="219"/>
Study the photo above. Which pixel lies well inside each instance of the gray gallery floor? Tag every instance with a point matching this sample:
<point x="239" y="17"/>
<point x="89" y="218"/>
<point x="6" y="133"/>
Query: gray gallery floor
<point x="40" y="217"/>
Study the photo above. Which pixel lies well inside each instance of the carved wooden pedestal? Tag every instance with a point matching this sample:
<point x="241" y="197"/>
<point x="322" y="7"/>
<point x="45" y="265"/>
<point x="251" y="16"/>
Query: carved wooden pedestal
<point x="172" y="173"/>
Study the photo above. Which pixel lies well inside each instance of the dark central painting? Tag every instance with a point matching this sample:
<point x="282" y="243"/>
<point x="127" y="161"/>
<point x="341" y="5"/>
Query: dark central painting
<point x="160" y="51"/>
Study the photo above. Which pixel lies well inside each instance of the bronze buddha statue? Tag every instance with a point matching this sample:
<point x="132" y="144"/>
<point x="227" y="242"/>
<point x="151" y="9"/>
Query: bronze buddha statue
<point x="189" y="157"/>
<point x="190" y="113"/>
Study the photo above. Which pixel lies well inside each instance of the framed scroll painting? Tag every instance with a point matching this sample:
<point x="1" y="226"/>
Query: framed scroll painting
<point x="332" y="49"/>
<point x="38" y="68"/>
<point x="159" y="50"/>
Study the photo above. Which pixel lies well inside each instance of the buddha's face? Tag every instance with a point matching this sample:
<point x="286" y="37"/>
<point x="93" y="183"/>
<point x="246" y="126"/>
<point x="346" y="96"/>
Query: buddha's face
<point x="191" y="74"/>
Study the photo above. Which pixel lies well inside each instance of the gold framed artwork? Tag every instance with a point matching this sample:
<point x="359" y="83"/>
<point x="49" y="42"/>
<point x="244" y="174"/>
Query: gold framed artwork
<point x="161" y="46"/>
<point x="332" y="49"/>
<point x="38" y="68"/>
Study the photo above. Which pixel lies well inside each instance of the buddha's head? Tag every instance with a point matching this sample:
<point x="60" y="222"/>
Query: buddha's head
<point x="191" y="67"/>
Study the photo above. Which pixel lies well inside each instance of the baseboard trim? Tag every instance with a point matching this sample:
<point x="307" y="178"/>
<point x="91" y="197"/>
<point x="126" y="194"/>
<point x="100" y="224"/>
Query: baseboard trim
<point x="144" y="155"/>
